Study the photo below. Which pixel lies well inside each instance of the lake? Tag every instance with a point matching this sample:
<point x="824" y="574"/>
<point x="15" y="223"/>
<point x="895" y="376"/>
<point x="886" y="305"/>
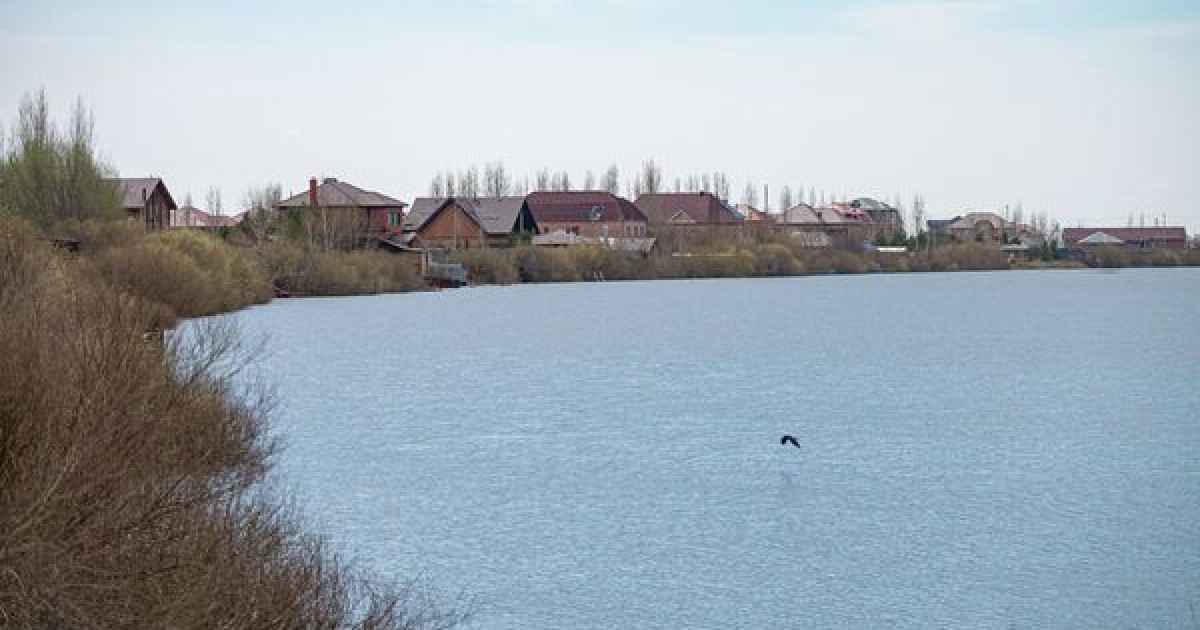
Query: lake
<point x="976" y="450"/>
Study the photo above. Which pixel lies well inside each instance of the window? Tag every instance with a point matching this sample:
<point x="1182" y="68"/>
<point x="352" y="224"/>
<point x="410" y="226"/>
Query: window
<point x="394" y="218"/>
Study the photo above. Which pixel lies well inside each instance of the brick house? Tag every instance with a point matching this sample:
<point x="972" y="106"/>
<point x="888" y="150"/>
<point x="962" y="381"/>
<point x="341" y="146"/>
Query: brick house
<point x="146" y="200"/>
<point x="1128" y="237"/>
<point x="466" y="223"/>
<point x="695" y="209"/>
<point x="591" y="214"/>
<point x="346" y="213"/>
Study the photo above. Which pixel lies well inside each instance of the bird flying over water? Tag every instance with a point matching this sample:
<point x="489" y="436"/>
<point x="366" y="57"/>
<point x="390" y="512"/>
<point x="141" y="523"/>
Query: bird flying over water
<point x="787" y="439"/>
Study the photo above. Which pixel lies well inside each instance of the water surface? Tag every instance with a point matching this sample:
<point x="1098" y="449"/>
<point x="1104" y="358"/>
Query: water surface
<point x="983" y="450"/>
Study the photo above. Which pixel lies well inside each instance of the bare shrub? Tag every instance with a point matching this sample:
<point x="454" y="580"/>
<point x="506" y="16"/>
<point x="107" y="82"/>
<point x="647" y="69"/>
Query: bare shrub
<point x="129" y="474"/>
<point x="594" y="262"/>
<point x="775" y="259"/>
<point x="541" y="264"/>
<point x="308" y="270"/>
<point x="967" y="257"/>
<point x="191" y="273"/>
<point x="489" y="266"/>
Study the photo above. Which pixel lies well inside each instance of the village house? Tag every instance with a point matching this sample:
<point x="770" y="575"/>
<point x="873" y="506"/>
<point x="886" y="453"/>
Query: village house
<point x="146" y="200"/>
<point x="687" y="210"/>
<point x="344" y="213"/>
<point x="591" y="214"/>
<point x="1139" y="238"/>
<point x="678" y="219"/>
<point x="884" y="219"/>
<point x="980" y="227"/>
<point x="193" y="217"/>
<point x="463" y="223"/>
<point x="821" y="227"/>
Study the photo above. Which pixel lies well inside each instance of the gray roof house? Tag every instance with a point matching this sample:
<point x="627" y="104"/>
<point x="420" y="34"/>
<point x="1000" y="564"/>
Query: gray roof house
<point x="147" y="200"/>
<point x="499" y="219"/>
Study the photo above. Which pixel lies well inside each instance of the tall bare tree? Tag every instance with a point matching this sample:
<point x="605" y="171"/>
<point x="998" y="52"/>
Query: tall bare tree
<point x="212" y="201"/>
<point x="651" y="177"/>
<point x="750" y="195"/>
<point x="589" y="180"/>
<point x="612" y="180"/>
<point x="785" y="199"/>
<point x="543" y="180"/>
<point x="437" y="187"/>
<point x="560" y="182"/>
<point x="262" y="212"/>
<point x="721" y="185"/>
<point x="496" y="182"/>
<point x="469" y="185"/>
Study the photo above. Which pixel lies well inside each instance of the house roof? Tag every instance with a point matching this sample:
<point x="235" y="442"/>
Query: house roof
<point x="1127" y="234"/>
<point x="497" y="215"/>
<point x="698" y="207"/>
<point x="189" y="216"/>
<point x="135" y="191"/>
<point x="971" y="219"/>
<point x="335" y="194"/>
<point x="581" y="207"/>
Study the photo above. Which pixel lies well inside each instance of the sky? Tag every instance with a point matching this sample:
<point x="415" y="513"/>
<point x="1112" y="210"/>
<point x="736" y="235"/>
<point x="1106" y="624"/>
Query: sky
<point x="1087" y="110"/>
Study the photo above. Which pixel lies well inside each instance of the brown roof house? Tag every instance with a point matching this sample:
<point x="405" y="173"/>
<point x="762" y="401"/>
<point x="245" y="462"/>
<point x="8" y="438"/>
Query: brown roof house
<point x="340" y="214"/>
<point x="679" y="219"/>
<point x="593" y="214"/>
<point x="1128" y="237"/>
<point x="146" y="200"/>
<point x="463" y="223"/>
<point x="687" y="210"/>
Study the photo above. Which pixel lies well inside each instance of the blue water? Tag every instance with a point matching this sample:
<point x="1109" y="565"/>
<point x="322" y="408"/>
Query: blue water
<point x="977" y="450"/>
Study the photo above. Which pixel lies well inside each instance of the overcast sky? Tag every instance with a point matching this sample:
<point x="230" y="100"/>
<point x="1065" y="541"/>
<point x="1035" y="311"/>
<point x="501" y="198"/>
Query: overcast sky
<point x="1086" y="109"/>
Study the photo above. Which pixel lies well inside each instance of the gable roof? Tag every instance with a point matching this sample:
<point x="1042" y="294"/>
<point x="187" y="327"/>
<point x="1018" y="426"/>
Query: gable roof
<point x="332" y="193"/>
<point x="971" y="219"/>
<point x="701" y="207"/>
<point x="578" y="207"/>
<point x="497" y="215"/>
<point x="1101" y="238"/>
<point x="134" y="191"/>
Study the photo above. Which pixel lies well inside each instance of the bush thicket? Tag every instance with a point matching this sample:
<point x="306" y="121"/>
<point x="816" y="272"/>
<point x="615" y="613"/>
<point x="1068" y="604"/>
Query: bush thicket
<point x="130" y="474"/>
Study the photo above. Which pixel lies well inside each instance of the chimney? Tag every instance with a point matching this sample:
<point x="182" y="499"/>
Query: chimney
<point x="312" y="192"/>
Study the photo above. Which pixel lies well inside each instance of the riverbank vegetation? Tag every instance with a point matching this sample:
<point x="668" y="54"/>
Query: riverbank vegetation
<point x="132" y="469"/>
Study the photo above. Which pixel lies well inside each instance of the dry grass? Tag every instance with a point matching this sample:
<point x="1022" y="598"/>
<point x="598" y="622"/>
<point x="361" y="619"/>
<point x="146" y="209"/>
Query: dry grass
<point x="129" y="472"/>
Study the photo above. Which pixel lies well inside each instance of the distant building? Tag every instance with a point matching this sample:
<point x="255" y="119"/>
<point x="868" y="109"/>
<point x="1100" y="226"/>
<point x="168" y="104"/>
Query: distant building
<point x="822" y="227"/>
<point x="146" y="200"/>
<point x="591" y="214"/>
<point x="464" y="223"/>
<point x="885" y="219"/>
<point x="192" y="217"/>
<point x="692" y="209"/>
<point x="1129" y="237"/>
<point x="984" y="227"/>
<point x="346" y="213"/>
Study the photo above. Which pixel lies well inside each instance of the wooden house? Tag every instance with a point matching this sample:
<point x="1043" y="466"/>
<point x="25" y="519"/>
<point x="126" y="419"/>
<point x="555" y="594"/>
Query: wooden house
<point x="146" y="200"/>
